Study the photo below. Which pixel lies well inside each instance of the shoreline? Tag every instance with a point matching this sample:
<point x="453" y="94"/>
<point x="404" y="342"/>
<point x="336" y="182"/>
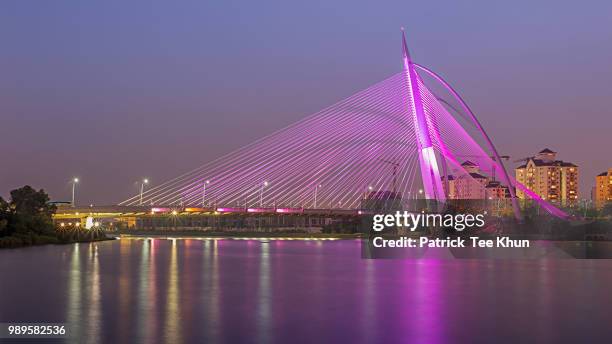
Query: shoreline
<point x="47" y="241"/>
<point x="235" y="235"/>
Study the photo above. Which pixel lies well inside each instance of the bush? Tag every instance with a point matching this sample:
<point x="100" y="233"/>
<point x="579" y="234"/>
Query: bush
<point x="10" y="242"/>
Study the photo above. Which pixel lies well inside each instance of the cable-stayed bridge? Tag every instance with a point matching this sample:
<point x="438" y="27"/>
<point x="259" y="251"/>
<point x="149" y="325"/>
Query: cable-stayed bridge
<point x="395" y="139"/>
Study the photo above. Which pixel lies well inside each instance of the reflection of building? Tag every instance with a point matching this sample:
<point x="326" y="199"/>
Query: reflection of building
<point x="602" y="192"/>
<point x="474" y="185"/>
<point x="551" y="179"/>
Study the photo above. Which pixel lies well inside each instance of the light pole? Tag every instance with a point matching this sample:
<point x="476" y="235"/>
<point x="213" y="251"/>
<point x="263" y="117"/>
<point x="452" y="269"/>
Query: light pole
<point x="174" y="214"/>
<point x="74" y="183"/>
<point x="264" y="184"/>
<point x="144" y="181"/>
<point x="204" y="192"/>
<point x="314" y="203"/>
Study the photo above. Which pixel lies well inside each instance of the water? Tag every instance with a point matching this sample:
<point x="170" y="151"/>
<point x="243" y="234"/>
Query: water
<point x="185" y="291"/>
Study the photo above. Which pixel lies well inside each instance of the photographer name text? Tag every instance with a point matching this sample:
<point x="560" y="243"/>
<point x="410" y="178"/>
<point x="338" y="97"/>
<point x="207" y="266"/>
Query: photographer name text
<point x="449" y="242"/>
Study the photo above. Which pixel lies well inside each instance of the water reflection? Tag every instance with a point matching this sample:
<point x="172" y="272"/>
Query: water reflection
<point x="162" y="291"/>
<point x="213" y="291"/>
<point x="73" y="316"/>
<point x="426" y="320"/>
<point x="124" y="291"/>
<point x="543" y="306"/>
<point x="263" y="295"/>
<point x="369" y="302"/>
<point x="172" y="332"/>
<point x="93" y="291"/>
<point x="83" y="311"/>
<point x="147" y="302"/>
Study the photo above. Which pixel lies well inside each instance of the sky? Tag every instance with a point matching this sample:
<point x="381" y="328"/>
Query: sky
<point x="115" y="91"/>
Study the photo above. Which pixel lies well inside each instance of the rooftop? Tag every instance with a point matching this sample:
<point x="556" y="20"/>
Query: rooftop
<point x="539" y="163"/>
<point x="495" y="184"/>
<point x="477" y="176"/>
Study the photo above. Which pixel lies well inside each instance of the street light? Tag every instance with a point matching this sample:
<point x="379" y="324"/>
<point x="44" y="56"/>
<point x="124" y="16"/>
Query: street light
<point x="204" y="192"/>
<point x="74" y="182"/>
<point x="314" y="204"/>
<point x="367" y="189"/>
<point x="174" y="215"/>
<point x="144" y="181"/>
<point x="264" y="184"/>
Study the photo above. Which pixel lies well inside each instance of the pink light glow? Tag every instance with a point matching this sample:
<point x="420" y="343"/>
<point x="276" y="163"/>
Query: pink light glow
<point x="230" y="210"/>
<point x="260" y="210"/>
<point x="289" y="210"/>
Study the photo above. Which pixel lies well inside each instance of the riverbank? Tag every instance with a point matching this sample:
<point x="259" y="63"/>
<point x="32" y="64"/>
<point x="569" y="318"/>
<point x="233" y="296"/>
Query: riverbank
<point x="233" y="235"/>
<point x="38" y="240"/>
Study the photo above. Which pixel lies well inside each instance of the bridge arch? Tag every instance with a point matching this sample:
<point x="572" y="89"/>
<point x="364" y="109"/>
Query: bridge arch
<point x="468" y="110"/>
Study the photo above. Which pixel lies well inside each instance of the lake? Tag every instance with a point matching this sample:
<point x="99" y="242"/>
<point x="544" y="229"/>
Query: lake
<point x="222" y="291"/>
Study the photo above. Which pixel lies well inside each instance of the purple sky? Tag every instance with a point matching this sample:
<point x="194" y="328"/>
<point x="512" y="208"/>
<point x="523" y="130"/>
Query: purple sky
<point x="114" y="91"/>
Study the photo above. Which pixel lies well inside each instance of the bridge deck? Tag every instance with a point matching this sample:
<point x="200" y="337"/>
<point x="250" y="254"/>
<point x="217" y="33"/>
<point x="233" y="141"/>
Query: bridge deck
<point x="138" y="211"/>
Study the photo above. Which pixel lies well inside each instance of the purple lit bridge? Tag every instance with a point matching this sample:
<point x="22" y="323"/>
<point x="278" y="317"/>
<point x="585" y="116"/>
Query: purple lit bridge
<point x="396" y="137"/>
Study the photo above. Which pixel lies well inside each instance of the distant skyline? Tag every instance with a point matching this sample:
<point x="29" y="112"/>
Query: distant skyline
<point x="113" y="92"/>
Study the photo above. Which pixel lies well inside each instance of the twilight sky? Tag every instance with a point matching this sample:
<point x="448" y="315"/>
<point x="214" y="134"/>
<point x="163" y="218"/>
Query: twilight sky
<point x="114" y="91"/>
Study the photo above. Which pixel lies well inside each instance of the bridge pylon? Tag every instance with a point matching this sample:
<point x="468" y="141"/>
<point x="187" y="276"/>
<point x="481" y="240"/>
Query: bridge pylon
<point x="430" y="172"/>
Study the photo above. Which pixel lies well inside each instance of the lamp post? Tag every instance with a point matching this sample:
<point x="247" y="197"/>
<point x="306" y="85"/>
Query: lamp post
<point x="174" y="215"/>
<point x="74" y="183"/>
<point x="144" y="181"/>
<point x="264" y="184"/>
<point x="204" y="192"/>
<point x="314" y="203"/>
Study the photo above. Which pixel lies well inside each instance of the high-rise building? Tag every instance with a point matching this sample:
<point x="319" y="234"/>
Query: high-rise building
<point x="602" y="192"/>
<point x="553" y="180"/>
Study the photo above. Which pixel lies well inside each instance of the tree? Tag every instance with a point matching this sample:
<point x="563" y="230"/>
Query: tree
<point x="30" y="211"/>
<point x="4" y="217"/>
<point x="28" y="201"/>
